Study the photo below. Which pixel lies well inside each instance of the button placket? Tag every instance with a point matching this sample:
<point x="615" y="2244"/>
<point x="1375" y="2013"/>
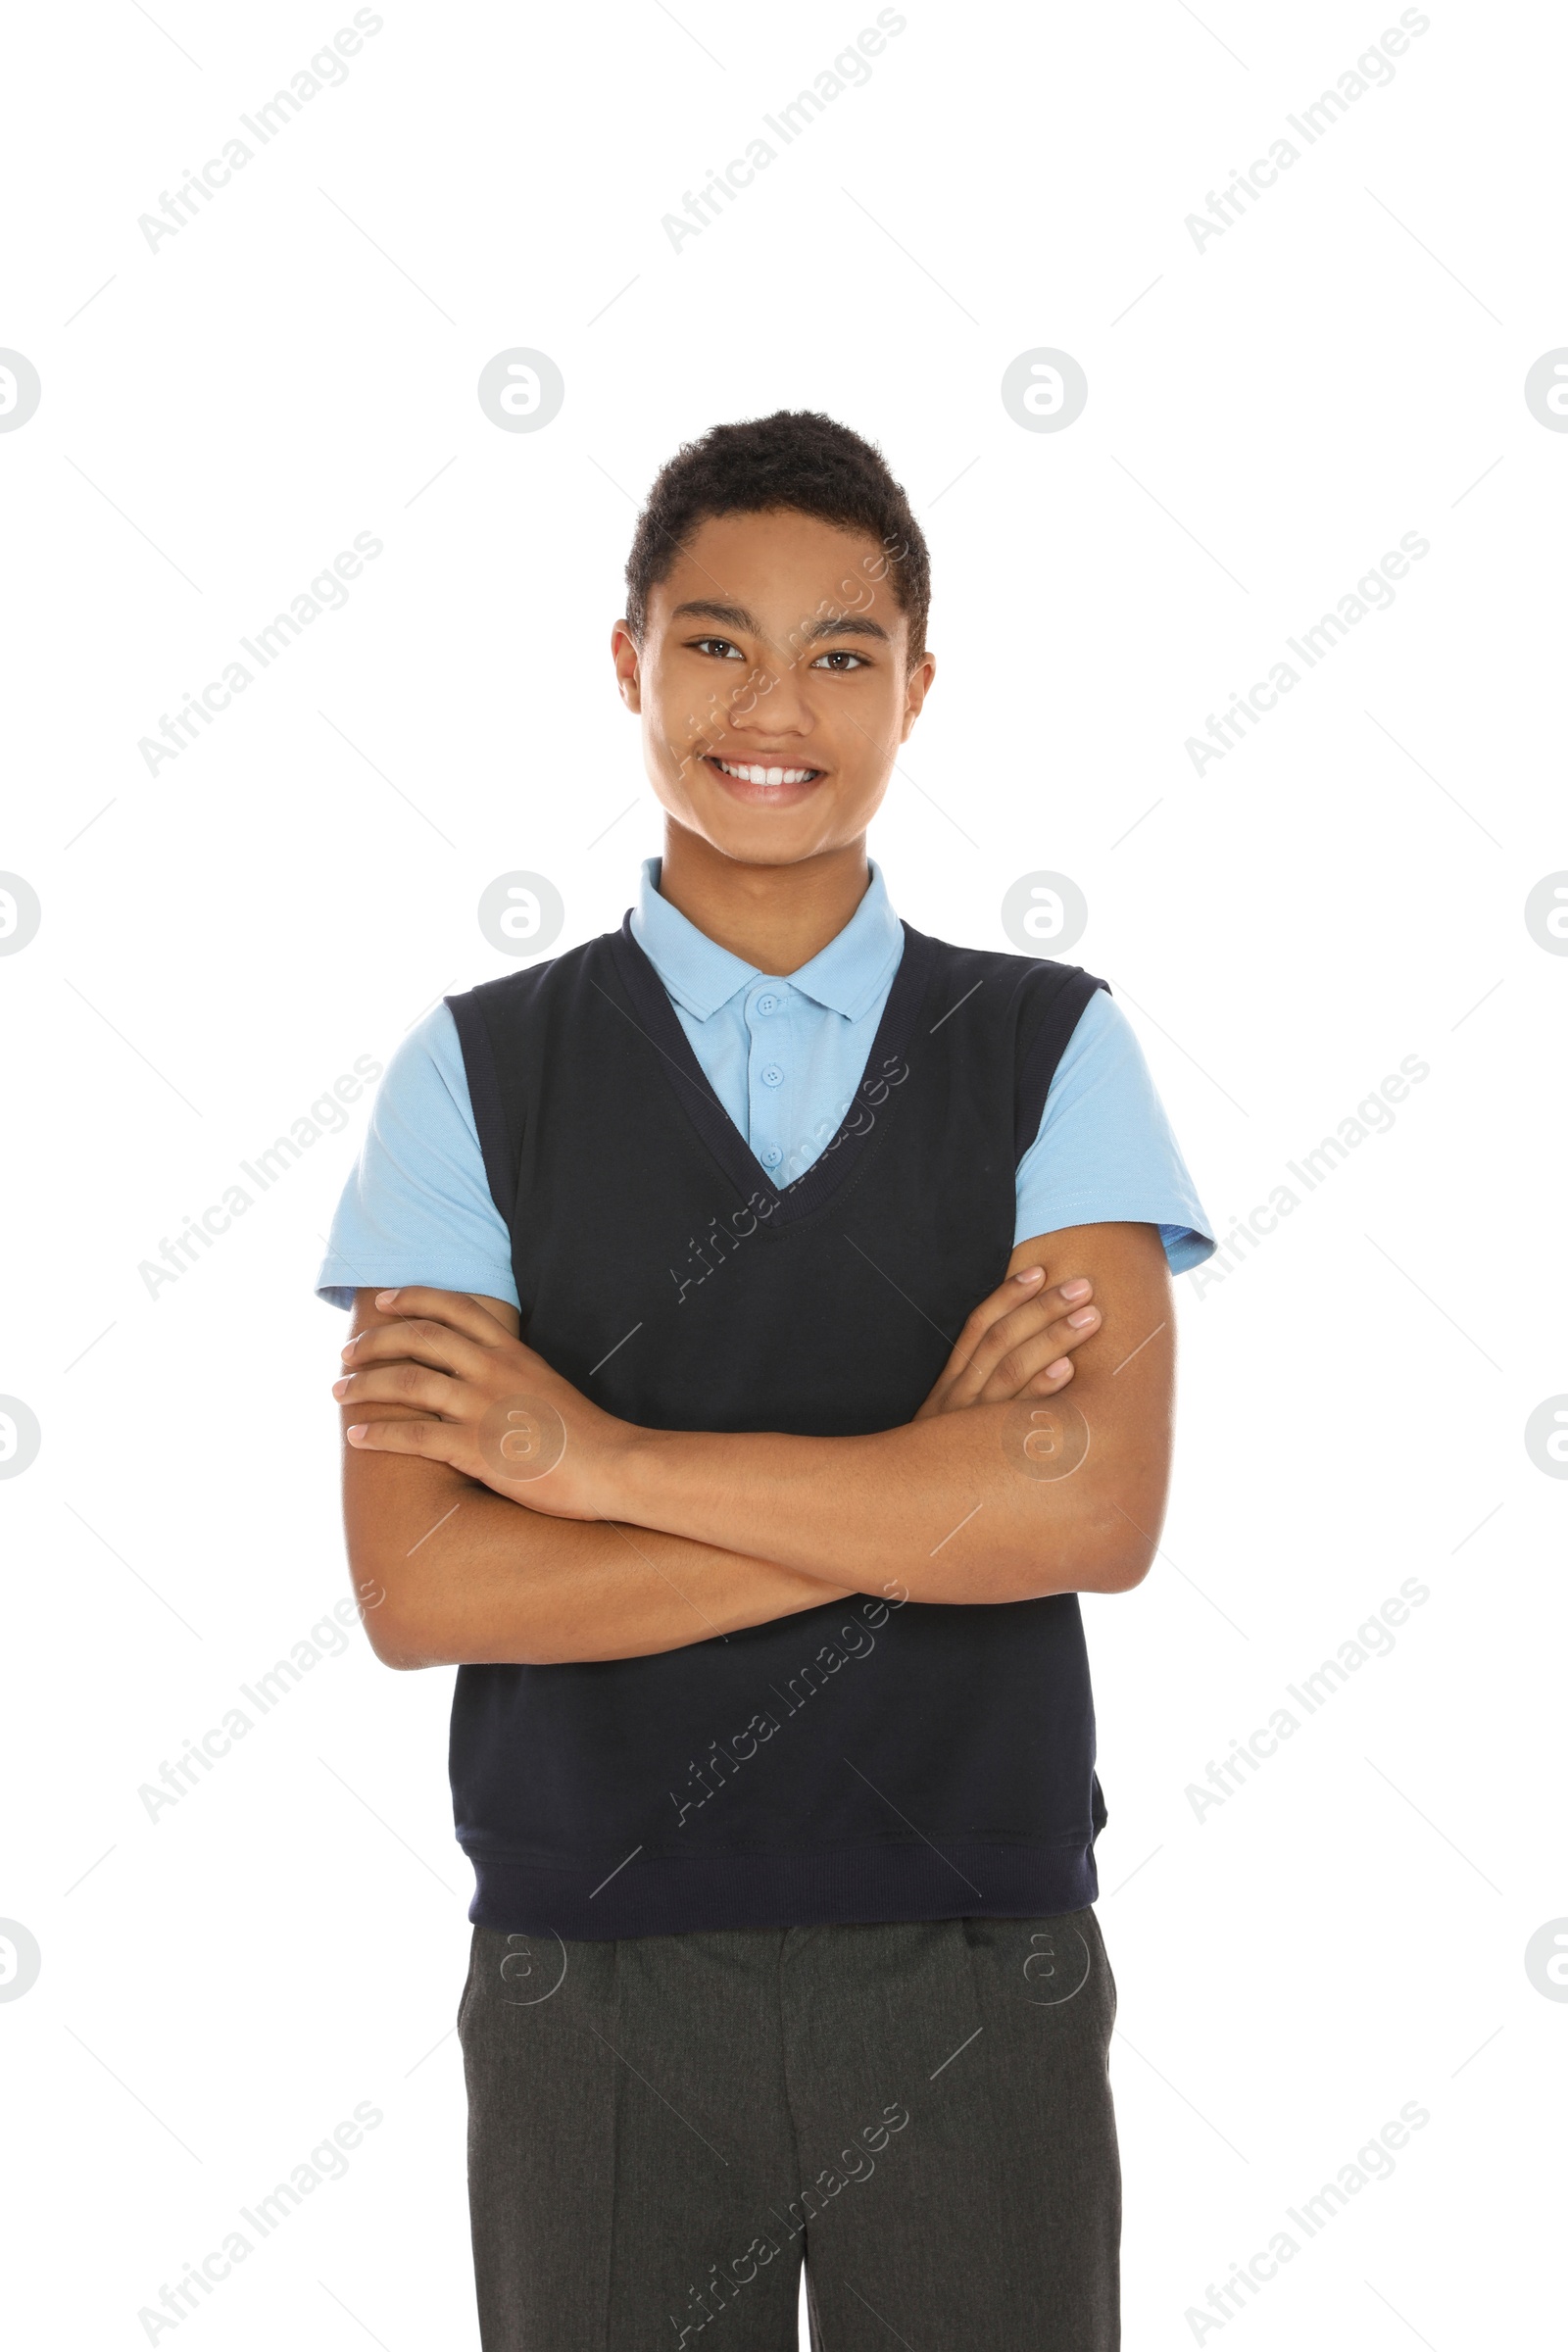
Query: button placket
<point x="768" y="1073"/>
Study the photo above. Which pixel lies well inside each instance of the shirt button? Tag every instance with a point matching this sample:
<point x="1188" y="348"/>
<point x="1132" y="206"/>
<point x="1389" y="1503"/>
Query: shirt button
<point x="768" y="1003"/>
<point x="772" y="1156"/>
<point x="773" y="1075"/>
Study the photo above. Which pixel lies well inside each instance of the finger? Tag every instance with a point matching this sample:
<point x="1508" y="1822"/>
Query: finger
<point x="995" y="1304"/>
<point x="1010" y="1373"/>
<point x="1040" y="1320"/>
<point x="1007" y="1307"/>
<point x="1054" y="1378"/>
<point x="425" y="1341"/>
<point x="403" y="1384"/>
<point x="453" y="1307"/>
<point x="437" y="1441"/>
<point x="958" y="1382"/>
<point x="1064" y="1311"/>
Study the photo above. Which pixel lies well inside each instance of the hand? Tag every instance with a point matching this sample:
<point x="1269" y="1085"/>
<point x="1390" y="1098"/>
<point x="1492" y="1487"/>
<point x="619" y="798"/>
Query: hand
<point x="1018" y="1343"/>
<point x="497" y="1411"/>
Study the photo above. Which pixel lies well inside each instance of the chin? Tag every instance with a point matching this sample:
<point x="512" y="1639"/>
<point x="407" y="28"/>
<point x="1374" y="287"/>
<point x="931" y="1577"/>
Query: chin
<point x="764" y="844"/>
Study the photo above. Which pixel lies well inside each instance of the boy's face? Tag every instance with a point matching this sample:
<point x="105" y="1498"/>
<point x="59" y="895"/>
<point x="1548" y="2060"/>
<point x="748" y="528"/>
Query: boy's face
<point x="774" y="648"/>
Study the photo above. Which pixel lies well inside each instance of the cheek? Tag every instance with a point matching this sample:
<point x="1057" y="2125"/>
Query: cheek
<point x="868" y="731"/>
<point x="672" y="724"/>
<point x="683" y="705"/>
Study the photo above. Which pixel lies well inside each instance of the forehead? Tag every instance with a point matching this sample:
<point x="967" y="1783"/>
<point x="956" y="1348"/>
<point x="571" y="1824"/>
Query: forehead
<point x="781" y="564"/>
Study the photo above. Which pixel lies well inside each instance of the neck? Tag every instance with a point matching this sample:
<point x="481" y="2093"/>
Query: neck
<point x="776" y="917"/>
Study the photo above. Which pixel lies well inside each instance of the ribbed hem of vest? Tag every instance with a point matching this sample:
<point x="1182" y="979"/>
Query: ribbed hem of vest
<point x="679" y="1896"/>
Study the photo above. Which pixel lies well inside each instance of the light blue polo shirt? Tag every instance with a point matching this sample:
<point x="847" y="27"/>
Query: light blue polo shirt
<point x="784" y="1056"/>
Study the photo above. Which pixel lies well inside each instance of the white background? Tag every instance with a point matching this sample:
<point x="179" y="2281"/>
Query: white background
<point x="1267" y="416"/>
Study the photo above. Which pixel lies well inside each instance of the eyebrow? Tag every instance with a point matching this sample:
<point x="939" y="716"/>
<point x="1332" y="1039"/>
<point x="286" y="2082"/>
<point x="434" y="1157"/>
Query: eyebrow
<point x="736" y="616"/>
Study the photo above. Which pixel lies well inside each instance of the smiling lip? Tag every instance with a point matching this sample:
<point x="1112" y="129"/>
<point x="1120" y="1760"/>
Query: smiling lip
<point x="760" y="780"/>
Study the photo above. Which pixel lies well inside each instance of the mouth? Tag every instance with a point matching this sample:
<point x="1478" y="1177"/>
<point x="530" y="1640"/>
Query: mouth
<point x="758" y="781"/>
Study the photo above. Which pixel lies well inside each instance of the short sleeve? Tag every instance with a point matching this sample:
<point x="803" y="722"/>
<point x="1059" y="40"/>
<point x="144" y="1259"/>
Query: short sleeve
<point x="417" y="1206"/>
<point x="1105" y="1152"/>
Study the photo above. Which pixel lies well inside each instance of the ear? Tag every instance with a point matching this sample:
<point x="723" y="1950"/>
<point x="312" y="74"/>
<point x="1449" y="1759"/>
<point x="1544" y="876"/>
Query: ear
<point x="624" y="654"/>
<point x="916" y="688"/>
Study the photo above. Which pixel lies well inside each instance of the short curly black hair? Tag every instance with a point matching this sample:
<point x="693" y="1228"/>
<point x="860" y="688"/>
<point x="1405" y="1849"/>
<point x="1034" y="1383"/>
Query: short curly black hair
<point x="797" y="459"/>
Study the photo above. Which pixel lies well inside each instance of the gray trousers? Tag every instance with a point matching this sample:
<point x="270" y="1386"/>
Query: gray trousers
<point x="660" y="2127"/>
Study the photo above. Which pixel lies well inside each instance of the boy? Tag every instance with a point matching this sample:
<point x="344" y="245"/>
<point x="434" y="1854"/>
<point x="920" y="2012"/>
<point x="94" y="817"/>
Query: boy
<point x="672" y="1419"/>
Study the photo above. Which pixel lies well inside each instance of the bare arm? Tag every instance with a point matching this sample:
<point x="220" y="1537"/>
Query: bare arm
<point x="451" y="1571"/>
<point x="998" y="1502"/>
<point x="991" y="1502"/>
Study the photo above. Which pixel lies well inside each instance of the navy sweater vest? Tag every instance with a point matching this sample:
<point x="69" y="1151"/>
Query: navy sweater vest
<point x="873" y="1759"/>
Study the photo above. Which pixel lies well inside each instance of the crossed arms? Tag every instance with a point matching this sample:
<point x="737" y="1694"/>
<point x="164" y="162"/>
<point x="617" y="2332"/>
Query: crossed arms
<point x="1038" y="1464"/>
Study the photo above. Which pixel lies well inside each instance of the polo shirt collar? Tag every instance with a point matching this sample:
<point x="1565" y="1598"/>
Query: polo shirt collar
<point x="845" y="976"/>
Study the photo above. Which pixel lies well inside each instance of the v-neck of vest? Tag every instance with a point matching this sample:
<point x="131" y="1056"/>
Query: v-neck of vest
<point x="690" y="1084"/>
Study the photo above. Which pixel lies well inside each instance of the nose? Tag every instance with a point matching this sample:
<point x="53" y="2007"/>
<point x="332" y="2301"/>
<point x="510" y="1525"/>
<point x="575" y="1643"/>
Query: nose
<point x="773" y="702"/>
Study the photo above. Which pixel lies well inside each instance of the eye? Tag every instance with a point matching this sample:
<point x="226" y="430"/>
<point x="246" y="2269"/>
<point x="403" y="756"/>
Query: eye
<point x="718" y="646"/>
<point x="841" y="660"/>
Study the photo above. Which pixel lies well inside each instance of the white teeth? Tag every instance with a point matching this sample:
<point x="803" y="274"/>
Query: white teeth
<point x="755" y="774"/>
